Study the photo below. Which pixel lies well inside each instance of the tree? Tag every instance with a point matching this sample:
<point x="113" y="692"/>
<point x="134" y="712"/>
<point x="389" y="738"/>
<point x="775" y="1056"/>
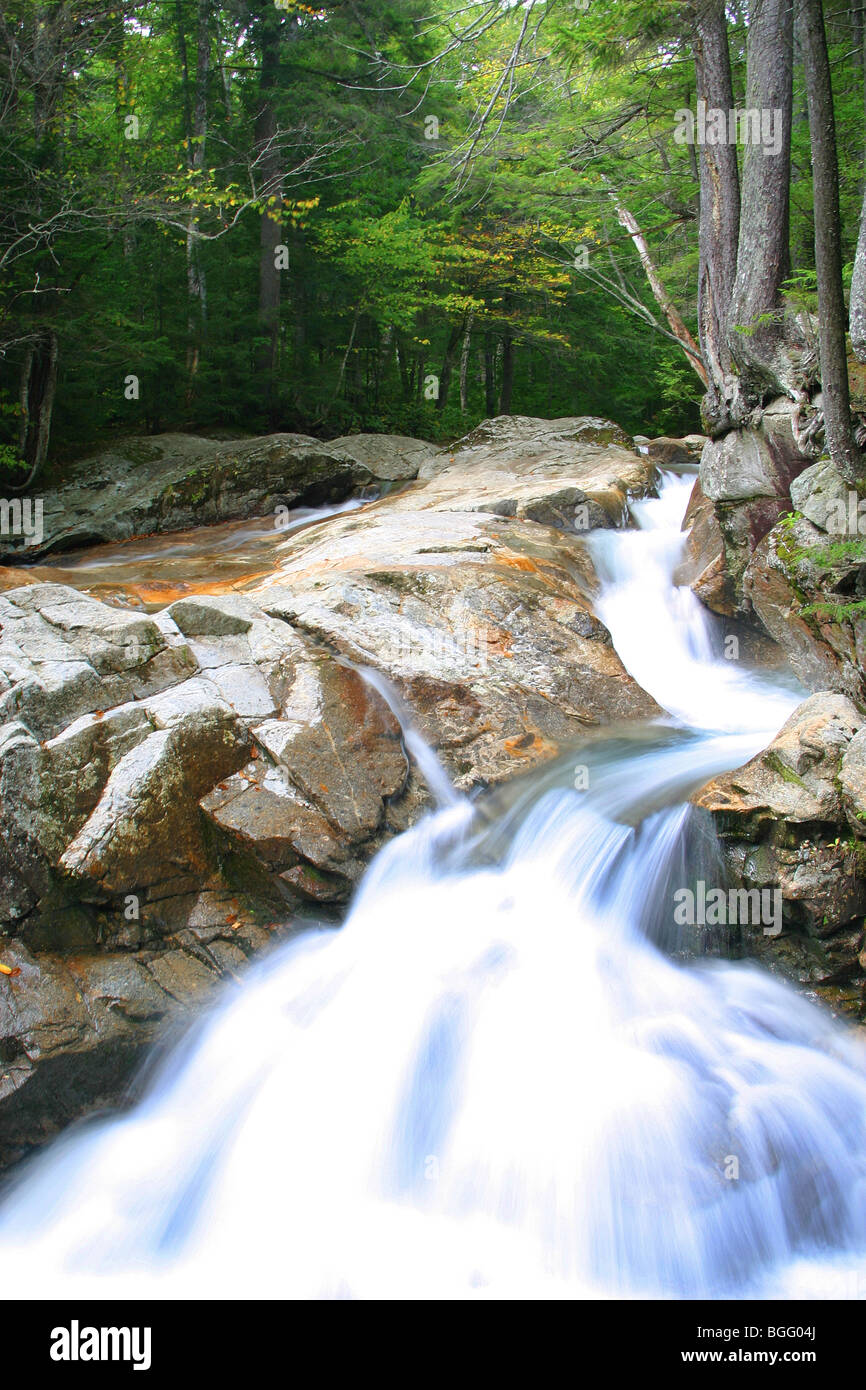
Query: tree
<point x="857" y="309"/>
<point x="719" y="229"/>
<point x="195" y="122"/>
<point x="828" y="255"/>
<point x="268" y="166"/>
<point x="759" y="331"/>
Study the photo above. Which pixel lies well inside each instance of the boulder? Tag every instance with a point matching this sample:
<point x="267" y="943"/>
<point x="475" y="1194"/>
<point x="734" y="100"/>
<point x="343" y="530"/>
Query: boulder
<point x="573" y="474"/>
<point x="145" y="827"/>
<point x="167" y="482"/>
<point x="756" y="461"/>
<point x="74" y="1028"/>
<point x="484" y="624"/>
<point x="315" y="804"/>
<point x="123" y="827"/>
<point x="852" y="783"/>
<point x="747" y="475"/>
<point x="683" y="454"/>
<point x="702" y="567"/>
<point x="387" y="457"/>
<point x="808" y="602"/>
<point x="820" y="493"/>
<point x="782" y="824"/>
<point x="63" y="654"/>
<point x="512" y="430"/>
<point x="795" y="779"/>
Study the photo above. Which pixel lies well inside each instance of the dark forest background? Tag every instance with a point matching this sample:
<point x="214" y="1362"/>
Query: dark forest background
<point x="398" y="215"/>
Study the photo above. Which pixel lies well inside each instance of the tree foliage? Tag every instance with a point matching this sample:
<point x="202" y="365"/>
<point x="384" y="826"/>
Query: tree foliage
<point x="383" y="214"/>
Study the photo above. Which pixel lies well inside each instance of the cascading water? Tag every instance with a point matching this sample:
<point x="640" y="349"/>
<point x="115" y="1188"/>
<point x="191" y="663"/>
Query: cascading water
<point x="491" y="1081"/>
<point x="663" y="634"/>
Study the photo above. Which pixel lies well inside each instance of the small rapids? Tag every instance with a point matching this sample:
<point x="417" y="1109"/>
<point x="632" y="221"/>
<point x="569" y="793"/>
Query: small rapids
<point x="495" y="1080"/>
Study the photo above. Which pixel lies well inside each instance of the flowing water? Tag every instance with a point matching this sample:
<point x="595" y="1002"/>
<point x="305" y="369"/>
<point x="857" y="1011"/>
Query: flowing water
<point x="151" y="571"/>
<point x="495" y="1079"/>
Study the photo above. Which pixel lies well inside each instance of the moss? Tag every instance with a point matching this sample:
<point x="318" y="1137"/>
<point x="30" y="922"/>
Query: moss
<point x="774" y="762"/>
<point x="840" y="553"/>
<point x="837" y="613"/>
<point x="857" y="849"/>
<point x="139" y="451"/>
<point x="402" y="582"/>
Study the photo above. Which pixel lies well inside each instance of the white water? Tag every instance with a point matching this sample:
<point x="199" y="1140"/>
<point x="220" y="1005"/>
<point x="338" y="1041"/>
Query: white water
<point x="663" y="634"/>
<point x="421" y="753"/>
<point x="489" y="1082"/>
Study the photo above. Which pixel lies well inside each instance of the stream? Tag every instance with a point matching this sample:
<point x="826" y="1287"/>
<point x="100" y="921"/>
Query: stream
<point x="507" y="1075"/>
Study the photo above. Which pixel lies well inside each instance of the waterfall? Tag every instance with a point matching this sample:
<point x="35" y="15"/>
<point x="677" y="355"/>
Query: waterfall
<point x="492" y="1081"/>
<point x="421" y="753"/>
<point x="663" y="634"/>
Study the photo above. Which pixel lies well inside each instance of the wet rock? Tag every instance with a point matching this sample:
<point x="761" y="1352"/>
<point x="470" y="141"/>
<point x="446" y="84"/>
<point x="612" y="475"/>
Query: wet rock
<point x="205" y="616"/>
<point x="176" y="788"/>
<point x="852" y="781"/>
<point x="485" y="625"/>
<point x="145" y="826"/>
<point x="63" y="655"/>
<point x="510" y="430"/>
<point x="807" y="604"/>
<point x="796" y="778"/>
<point x="683" y="454"/>
<point x="782" y="824"/>
<point x="313" y="807"/>
<point x="171" y="481"/>
<point x="387" y="457"/>
<point x="756" y="461"/>
<point x="75" y="1029"/>
<point x="747" y="474"/>
<point x="574" y="474"/>
<point x="820" y="493"/>
<point x="126" y="824"/>
<point x="339" y="745"/>
<point x="703" y="566"/>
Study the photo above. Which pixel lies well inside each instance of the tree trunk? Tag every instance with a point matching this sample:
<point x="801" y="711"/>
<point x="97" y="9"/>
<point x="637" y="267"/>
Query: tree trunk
<point x="828" y="252"/>
<point x="448" y="364"/>
<point x="270" y="236"/>
<point x="720" y="212"/>
<point x="196" y="136"/>
<point x="344" y="363"/>
<point x="763" y="255"/>
<point x="464" y="362"/>
<point x="38" y="388"/>
<point x="386" y="338"/>
<point x="507" y="373"/>
<point x="660" y="294"/>
<point x="403" y="366"/>
<point x="23" y="397"/>
<point x="857" y="320"/>
<point x="489" y="375"/>
<point x="184" y="67"/>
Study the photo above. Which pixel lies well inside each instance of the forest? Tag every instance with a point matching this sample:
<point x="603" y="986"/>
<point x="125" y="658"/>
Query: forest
<point x="407" y="215"/>
<point x="433" y="666"/>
